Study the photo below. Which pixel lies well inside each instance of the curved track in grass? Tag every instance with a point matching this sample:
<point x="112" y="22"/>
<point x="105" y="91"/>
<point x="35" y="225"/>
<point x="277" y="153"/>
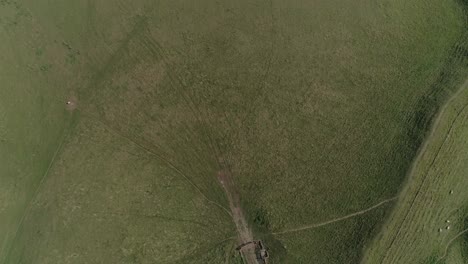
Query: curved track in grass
<point x="315" y="108"/>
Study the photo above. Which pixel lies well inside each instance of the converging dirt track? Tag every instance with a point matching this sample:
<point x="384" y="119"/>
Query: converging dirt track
<point x="243" y="231"/>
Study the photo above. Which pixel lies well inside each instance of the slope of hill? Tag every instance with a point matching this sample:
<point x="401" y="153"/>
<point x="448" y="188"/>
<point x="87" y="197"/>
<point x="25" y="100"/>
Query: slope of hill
<point x="315" y="108"/>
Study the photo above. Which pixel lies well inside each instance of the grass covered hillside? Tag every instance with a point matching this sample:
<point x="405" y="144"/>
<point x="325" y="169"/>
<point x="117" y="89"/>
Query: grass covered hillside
<point x="428" y="224"/>
<point x="311" y="111"/>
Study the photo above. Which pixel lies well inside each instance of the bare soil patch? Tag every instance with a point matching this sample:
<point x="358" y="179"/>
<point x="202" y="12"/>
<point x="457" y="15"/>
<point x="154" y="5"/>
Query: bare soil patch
<point x="243" y="231"/>
<point x="71" y="103"/>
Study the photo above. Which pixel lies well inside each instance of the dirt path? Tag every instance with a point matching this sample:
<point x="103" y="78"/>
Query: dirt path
<point x="336" y="219"/>
<point x="243" y="231"/>
<point x="6" y="250"/>
<point x="450" y="243"/>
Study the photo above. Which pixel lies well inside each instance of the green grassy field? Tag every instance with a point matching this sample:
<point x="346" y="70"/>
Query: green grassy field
<point x="412" y="233"/>
<point x="317" y="109"/>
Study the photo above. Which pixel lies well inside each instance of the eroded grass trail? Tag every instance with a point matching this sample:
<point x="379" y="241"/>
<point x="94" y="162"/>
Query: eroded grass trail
<point x="335" y="219"/>
<point x="244" y="232"/>
<point x="450" y="243"/>
<point x="6" y="252"/>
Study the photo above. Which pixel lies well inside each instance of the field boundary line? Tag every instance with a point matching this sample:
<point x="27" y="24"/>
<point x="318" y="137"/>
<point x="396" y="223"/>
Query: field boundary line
<point x="434" y="125"/>
<point x="335" y="219"/>
<point x="422" y="151"/>
<point x="36" y="193"/>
